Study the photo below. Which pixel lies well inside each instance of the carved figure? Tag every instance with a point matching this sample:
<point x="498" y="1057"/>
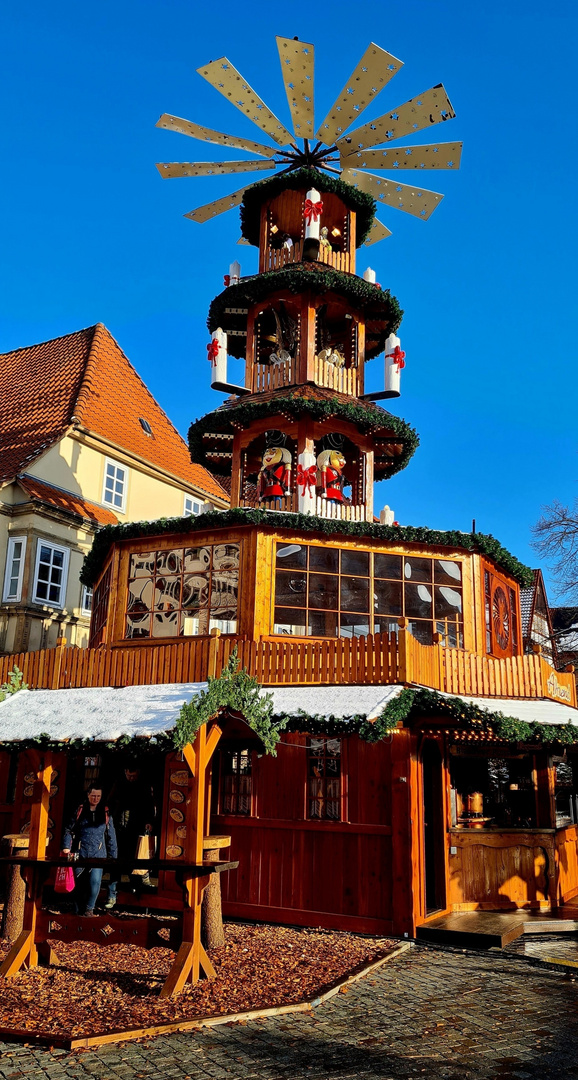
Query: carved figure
<point x="324" y="238"/>
<point x="274" y="478"/>
<point x="331" y="464"/>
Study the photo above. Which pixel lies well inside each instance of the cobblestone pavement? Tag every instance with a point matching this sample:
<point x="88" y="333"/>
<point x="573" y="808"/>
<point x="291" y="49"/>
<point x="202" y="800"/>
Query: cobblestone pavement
<point x="431" y="1013"/>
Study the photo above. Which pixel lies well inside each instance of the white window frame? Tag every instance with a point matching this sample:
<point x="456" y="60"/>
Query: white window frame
<point x="188" y="511"/>
<point x="85" y="610"/>
<point x="63" y="585"/>
<point x="110" y="462"/>
<point x="8" y="575"/>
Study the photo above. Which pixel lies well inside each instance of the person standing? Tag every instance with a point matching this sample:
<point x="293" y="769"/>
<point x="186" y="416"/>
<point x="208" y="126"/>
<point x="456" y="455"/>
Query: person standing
<point x="90" y="833"/>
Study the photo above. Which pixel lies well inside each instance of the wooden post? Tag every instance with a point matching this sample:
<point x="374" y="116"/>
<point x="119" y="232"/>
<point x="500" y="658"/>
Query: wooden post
<point x="214" y="649"/>
<point x="403" y="665"/>
<point x="13" y="915"/>
<point x="212" y="923"/>
<point x="60" y="647"/>
<point x="24" y="950"/>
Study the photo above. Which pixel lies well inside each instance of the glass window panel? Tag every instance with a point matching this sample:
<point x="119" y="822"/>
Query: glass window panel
<point x="384" y="625"/>
<point x="42" y="591"/>
<point x="354" y="594"/>
<point x="170" y="562"/>
<point x="323" y="591"/>
<point x="447" y="601"/>
<point x="45" y="554"/>
<point x="138" y="626"/>
<point x="142" y="563"/>
<point x="325" y="560"/>
<point x="118" y="500"/>
<point x="422" y="632"/>
<point x="224" y="624"/>
<point x="290" y="588"/>
<point x="224" y="593"/>
<point x="418" y="601"/>
<point x="417" y="569"/>
<point x="452" y="631"/>
<point x="43" y="572"/>
<point x="323" y="623"/>
<point x="387" y="597"/>
<point x="197" y="559"/>
<point x="195" y="590"/>
<point x="354" y="626"/>
<point x="291" y="556"/>
<point x="225" y="557"/>
<point x="447" y="573"/>
<point x="387" y="566"/>
<point x="54" y="594"/>
<point x="140" y="595"/>
<point x="165" y="624"/>
<point x="55" y="575"/>
<point x="291" y="621"/>
<point x="167" y="593"/>
<point x="57" y="558"/>
<point x="355" y="562"/>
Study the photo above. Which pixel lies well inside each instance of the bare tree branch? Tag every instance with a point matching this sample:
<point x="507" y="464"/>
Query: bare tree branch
<point x="556" y="540"/>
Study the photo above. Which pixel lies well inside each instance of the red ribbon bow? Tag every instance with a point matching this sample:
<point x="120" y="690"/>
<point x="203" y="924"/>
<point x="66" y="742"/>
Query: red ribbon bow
<point x="213" y="350"/>
<point x="226" y="280"/>
<point x="398" y="357"/>
<point x="306" y="477"/>
<point x="312" y="211"/>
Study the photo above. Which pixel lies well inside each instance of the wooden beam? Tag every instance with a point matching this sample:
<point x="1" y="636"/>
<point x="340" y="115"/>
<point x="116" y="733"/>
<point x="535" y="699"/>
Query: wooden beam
<point x="17" y="955"/>
<point x="190" y="758"/>
<point x="212" y="741"/>
<point x="179" y="972"/>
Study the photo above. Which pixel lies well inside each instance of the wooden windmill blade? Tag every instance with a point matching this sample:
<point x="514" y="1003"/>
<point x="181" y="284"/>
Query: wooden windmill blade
<point x="198" y="131"/>
<point x="230" y="83"/>
<point x="434" y="156"/>
<point x="218" y="206"/>
<point x="419" y="112"/>
<point x="170" y="170"/>
<point x="377" y="232"/>
<point x="412" y="200"/>
<point x="373" y="72"/>
<point x="297" y="68"/>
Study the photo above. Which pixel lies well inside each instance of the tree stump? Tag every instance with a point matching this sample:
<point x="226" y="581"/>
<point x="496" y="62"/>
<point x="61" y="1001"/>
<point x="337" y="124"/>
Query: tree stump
<point x="13" y="917"/>
<point x="212" y="915"/>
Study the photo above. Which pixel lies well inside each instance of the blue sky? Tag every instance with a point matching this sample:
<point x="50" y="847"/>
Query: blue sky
<point x="91" y="233"/>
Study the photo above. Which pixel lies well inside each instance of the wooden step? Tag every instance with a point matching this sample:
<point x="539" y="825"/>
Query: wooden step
<point x="473" y="929"/>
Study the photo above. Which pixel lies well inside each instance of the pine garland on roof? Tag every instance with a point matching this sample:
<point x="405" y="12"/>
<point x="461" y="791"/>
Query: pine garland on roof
<point x="361" y="202"/>
<point x="301" y="523"/>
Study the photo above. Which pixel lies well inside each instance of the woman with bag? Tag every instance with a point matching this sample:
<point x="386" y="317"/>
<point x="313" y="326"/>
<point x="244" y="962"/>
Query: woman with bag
<point x="90" y="833"/>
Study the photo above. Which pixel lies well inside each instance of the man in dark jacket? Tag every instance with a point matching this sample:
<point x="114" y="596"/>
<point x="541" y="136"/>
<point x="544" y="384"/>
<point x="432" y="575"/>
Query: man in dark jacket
<point x="90" y="833"/>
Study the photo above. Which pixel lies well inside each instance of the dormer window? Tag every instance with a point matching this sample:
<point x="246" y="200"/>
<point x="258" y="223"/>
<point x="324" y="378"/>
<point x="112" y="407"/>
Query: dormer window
<point x="145" y="425"/>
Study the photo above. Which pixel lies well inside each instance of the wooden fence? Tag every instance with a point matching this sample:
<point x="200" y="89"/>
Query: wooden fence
<point x="378" y="659"/>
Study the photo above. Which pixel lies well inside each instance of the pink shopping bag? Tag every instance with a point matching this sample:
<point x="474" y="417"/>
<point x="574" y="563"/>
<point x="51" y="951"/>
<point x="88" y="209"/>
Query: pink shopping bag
<point x="64" y="881"/>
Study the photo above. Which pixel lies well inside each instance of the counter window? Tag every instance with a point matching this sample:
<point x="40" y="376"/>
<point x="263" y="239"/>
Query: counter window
<point x="183" y="591"/>
<point x="236" y="782"/>
<point x="489" y="791"/>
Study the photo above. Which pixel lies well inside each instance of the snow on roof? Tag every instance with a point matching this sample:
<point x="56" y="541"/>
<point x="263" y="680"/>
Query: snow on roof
<point x="105" y="714"/>
<point x="99" y="712"/>
<point x="535" y="711"/>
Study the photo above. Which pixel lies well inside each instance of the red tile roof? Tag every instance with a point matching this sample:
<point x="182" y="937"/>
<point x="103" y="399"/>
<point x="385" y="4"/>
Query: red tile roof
<point x="85" y="378"/>
<point x="64" y="500"/>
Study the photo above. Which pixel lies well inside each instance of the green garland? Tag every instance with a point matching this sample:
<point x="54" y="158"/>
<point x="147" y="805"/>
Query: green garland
<point x="301" y="523"/>
<point x="129" y="746"/>
<point x="411" y="703"/>
<point x="361" y="202"/>
<point x="366" y="416"/>
<point x="238" y="692"/>
<point x="379" y="303"/>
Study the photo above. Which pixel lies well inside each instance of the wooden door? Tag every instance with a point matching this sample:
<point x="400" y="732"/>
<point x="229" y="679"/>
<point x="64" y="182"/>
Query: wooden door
<point x="434" y="833"/>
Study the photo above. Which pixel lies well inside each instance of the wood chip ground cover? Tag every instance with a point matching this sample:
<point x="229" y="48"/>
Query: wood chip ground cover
<point x="116" y="987"/>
